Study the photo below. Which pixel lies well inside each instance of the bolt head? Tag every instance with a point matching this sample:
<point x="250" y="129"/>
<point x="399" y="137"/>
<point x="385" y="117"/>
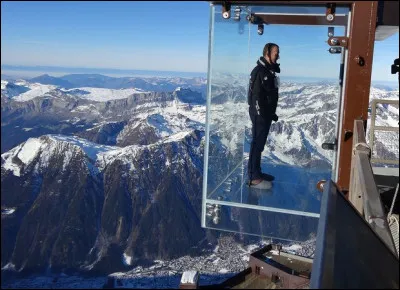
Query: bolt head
<point x="225" y="15"/>
<point x="330" y="17"/>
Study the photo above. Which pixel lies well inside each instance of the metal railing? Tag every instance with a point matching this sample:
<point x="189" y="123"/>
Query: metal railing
<point x="363" y="193"/>
<point x="374" y="128"/>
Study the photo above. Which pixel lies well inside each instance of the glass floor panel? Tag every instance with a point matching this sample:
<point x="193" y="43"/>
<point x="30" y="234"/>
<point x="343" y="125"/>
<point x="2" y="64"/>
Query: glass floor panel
<point x="267" y="224"/>
<point x="293" y="190"/>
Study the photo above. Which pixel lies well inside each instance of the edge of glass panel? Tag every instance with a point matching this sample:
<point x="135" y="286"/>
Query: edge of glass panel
<point x="339" y="109"/>
<point x="263" y="208"/>
<point x="207" y="125"/>
<point x="335" y="172"/>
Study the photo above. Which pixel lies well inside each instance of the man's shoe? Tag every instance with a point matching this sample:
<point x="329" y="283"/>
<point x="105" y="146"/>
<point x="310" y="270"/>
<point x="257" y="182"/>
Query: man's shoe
<point x="262" y="185"/>
<point x="267" y="177"/>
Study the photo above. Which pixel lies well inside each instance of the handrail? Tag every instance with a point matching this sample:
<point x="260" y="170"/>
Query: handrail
<point x="374" y="128"/>
<point x="363" y="193"/>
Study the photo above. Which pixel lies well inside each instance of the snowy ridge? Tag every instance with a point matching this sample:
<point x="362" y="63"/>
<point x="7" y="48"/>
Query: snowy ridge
<point x="306" y="113"/>
<point x="3" y="84"/>
<point x="45" y="148"/>
<point x="36" y="90"/>
<point x="67" y="146"/>
<point x="104" y="95"/>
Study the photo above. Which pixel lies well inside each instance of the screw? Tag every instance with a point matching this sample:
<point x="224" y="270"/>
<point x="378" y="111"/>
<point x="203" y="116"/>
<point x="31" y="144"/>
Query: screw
<point x="359" y="60"/>
<point x="330" y="17"/>
<point x="334" y="41"/>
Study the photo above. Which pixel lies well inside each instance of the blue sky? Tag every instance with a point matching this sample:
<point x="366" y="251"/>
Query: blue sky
<point x="166" y="36"/>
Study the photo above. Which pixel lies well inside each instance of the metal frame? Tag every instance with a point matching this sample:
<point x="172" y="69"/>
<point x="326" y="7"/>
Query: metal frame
<point x="300" y="19"/>
<point x="357" y="82"/>
<point x="364" y="194"/>
<point x="349" y="254"/>
<point x="358" y="68"/>
<point x="374" y="128"/>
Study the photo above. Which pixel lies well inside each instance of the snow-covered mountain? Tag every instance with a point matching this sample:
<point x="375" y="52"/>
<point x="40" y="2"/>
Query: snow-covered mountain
<point x="107" y="173"/>
<point x="76" y="204"/>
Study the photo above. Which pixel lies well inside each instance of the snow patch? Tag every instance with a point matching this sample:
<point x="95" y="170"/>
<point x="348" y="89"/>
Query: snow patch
<point x="189" y="277"/>
<point x="29" y="150"/>
<point x="7" y="211"/>
<point x="36" y="90"/>
<point x="104" y="95"/>
<point x="127" y="260"/>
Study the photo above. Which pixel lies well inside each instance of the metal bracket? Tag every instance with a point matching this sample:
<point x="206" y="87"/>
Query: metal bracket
<point x="330" y="12"/>
<point x="338" y="41"/>
<point x="254" y="19"/>
<point x="320" y="185"/>
<point x="395" y="66"/>
<point x="330" y="146"/>
<point x="331" y="31"/>
<point x="226" y="10"/>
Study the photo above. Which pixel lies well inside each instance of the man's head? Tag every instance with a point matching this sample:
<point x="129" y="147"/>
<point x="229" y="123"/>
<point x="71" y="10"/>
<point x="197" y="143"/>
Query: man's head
<point x="271" y="52"/>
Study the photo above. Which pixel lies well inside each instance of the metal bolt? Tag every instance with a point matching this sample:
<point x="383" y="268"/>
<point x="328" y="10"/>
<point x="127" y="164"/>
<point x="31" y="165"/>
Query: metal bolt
<point x="226" y="15"/>
<point x="331" y="31"/>
<point x="334" y="41"/>
<point x="320" y="185"/>
<point x="359" y="60"/>
<point x="335" y="50"/>
<point x="330" y="17"/>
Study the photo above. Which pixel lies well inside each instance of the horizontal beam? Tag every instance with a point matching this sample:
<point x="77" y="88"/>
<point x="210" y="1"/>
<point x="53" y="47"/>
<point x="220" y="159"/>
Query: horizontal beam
<point x="263" y="208"/>
<point x="264" y="3"/>
<point x="386" y="128"/>
<point x="303" y="19"/>
<point x="385" y="161"/>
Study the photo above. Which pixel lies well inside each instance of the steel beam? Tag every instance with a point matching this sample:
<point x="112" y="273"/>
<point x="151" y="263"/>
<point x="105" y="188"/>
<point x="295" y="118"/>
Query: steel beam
<point x="357" y="81"/>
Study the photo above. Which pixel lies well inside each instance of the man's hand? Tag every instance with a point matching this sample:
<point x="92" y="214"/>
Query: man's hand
<point x="275" y="118"/>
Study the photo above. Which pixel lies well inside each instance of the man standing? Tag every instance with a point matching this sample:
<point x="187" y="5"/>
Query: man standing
<point x="262" y="100"/>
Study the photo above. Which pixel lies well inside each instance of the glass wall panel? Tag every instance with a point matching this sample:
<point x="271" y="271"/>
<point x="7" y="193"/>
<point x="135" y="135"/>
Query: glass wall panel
<point x="308" y="111"/>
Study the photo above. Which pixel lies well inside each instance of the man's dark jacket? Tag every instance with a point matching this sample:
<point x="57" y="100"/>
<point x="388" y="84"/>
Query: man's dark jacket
<point x="263" y="89"/>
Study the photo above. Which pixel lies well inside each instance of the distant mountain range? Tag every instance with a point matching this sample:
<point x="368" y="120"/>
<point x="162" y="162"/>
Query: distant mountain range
<point x="99" y="173"/>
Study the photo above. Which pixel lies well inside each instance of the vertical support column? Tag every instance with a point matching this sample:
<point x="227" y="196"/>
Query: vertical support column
<point x="357" y="82"/>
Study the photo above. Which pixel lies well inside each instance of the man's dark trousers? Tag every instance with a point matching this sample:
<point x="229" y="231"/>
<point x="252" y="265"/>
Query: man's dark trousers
<point x="260" y="130"/>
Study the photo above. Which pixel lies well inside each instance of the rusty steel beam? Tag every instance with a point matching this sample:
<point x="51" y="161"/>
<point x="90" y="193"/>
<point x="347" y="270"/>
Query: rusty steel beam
<point x="263" y="3"/>
<point x="287" y="19"/>
<point x="357" y="81"/>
